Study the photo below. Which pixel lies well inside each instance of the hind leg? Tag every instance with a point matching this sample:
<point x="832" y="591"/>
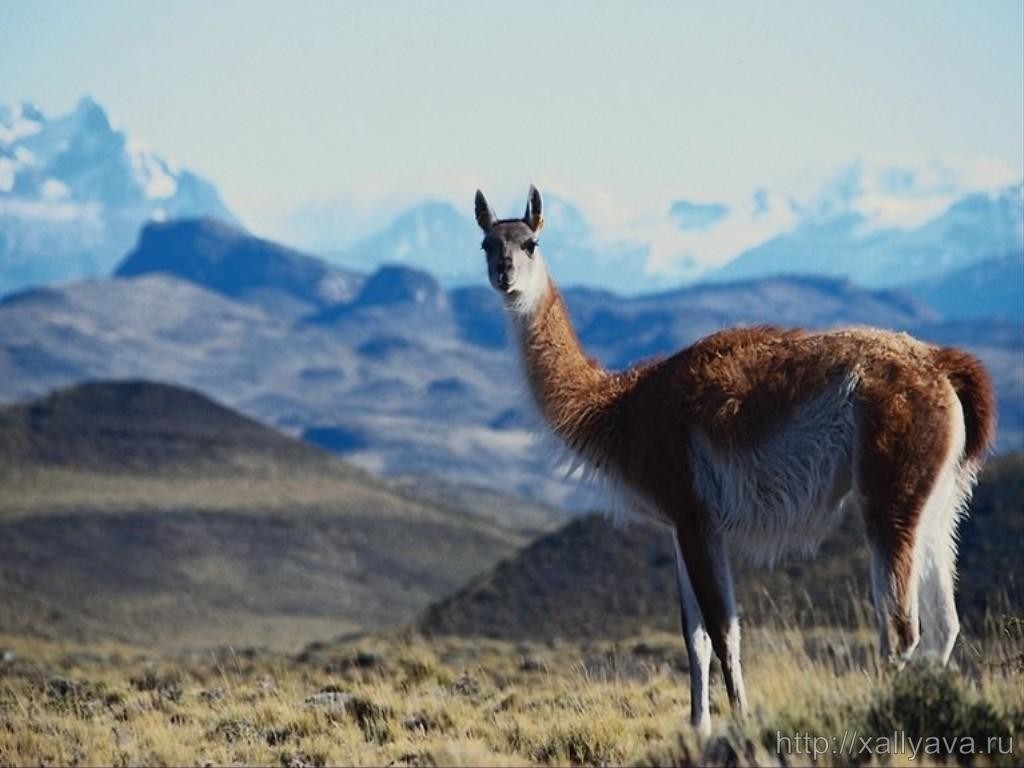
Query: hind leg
<point x="895" y="592"/>
<point x="907" y="477"/>
<point x="939" y="622"/>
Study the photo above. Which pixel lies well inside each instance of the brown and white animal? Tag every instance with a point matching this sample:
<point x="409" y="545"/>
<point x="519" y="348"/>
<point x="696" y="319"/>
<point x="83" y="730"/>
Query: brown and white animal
<point x="755" y="440"/>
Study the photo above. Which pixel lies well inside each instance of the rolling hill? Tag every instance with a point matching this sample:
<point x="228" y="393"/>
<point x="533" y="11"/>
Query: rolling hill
<point x="130" y="426"/>
<point x="146" y="513"/>
<point x="592" y="580"/>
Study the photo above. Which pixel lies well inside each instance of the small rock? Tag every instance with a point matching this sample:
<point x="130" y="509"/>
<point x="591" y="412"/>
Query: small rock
<point x="7" y="657"/>
<point x="212" y="694"/>
<point x="166" y="686"/>
<point x="425" y="722"/>
<point x="417" y="759"/>
<point x="419" y="721"/>
<point x="277" y="736"/>
<point x="332" y="702"/>
<point x="236" y="730"/>
<point x="532" y="664"/>
<point x="60" y="687"/>
<point x="366" y="660"/>
<point x="371" y="718"/>
<point x="362" y="661"/>
<point x="506" y="703"/>
<point x="466" y="686"/>
<point x="298" y="760"/>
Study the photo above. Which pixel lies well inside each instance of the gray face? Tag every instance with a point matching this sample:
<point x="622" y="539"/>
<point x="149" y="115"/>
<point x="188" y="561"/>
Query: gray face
<point x="509" y="246"/>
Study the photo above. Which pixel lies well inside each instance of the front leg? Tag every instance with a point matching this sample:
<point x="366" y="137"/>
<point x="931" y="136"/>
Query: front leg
<point x="698" y="646"/>
<point x="711" y="584"/>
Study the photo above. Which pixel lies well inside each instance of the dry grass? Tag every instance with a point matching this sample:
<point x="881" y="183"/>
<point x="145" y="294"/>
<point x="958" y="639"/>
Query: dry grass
<point x="403" y="700"/>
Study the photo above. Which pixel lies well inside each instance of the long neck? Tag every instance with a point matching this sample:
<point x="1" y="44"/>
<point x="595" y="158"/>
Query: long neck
<point x="574" y="393"/>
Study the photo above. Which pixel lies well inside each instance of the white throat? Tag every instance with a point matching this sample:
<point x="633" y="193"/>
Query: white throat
<point x="529" y="293"/>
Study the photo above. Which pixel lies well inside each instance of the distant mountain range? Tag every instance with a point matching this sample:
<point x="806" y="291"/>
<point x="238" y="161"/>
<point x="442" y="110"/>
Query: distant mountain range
<point x="400" y="375"/>
<point x="992" y="288"/>
<point x="837" y="241"/>
<point x="74" y="192"/>
<point x="842" y="242"/>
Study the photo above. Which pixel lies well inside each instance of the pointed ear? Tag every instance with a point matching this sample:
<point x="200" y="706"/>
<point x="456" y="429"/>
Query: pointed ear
<point x="534" y="215"/>
<point x="484" y="215"/>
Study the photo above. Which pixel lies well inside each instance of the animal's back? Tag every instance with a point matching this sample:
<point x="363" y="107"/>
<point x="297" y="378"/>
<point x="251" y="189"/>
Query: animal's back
<point x="742" y="385"/>
<point x="777" y="421"/>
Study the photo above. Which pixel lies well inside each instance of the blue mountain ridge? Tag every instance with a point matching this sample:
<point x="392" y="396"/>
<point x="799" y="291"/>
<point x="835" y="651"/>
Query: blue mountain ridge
<point x="402" y="375"/>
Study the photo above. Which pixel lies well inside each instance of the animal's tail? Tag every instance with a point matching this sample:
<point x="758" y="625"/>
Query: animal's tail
<point x="973" y="387"/>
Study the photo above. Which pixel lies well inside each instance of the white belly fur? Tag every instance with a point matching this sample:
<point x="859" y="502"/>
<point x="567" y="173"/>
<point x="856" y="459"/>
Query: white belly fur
<point x="786" y="494"/>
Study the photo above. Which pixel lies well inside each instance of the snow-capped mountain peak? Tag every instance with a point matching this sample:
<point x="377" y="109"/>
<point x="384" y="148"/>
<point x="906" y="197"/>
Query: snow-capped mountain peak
<point x="75" y="190"/>
<point x="902" y="195"/>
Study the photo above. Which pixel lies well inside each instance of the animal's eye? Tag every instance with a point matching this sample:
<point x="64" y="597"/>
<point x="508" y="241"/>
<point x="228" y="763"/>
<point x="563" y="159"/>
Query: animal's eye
<point x="529" y="245"/>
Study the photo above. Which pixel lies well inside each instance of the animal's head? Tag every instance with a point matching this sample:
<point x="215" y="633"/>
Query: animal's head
<point x="514" y="264"/>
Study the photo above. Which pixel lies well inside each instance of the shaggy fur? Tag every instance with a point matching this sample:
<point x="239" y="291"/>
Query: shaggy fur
<point x="759" y="439"/>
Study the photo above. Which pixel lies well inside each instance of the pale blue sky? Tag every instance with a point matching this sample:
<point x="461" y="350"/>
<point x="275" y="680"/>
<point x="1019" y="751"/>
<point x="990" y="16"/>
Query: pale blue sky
<point x="284" y="103"/>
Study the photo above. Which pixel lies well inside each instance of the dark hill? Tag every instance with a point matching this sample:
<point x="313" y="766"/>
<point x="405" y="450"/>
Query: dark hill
<point x="585" y="580"/>
<point x="134" y="425"/>
<point x="150" y="514"/>
<point x="233" y="263"/>
<point x="592" y="580"/>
